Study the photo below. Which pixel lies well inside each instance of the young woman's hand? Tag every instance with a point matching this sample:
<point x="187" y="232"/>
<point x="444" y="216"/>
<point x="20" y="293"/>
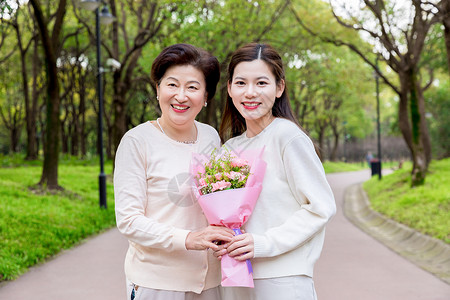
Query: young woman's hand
<point x="221" y="250"/>
<point x="241" y="247"/>
<point x="208" y="238"/>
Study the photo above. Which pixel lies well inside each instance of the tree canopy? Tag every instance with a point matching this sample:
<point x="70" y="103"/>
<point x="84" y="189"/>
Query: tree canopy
<point x="48" y="100"/>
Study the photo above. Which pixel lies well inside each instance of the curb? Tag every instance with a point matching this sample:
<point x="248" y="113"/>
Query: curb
<point x="430" y="254"/>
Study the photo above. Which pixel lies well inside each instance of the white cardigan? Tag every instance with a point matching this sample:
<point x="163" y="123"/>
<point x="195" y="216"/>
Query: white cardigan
<point x="296" y="202"/>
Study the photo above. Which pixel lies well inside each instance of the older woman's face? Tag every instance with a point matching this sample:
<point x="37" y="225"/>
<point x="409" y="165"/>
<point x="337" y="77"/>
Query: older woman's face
<point x="182" y="94"/>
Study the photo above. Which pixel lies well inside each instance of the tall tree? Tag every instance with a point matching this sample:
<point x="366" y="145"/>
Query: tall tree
<point x="444" y="10"/>
<point x="137" y="23"/>
<point x="24" y="41"/>
<point x="11" y="105"/>
<point x="51" y="44"/>
<point x="400" y="47"/>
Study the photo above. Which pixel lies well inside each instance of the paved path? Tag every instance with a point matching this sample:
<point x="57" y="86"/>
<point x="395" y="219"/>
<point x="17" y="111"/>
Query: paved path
<point x="93" y="270"/>
<point x="353" y="266"/>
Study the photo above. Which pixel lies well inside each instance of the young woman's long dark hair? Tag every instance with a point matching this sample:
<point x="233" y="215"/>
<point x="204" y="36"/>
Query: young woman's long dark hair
<point x="233" y="124"/>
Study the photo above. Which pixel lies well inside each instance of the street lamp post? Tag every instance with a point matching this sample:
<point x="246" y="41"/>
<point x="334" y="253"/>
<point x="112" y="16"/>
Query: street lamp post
<point x="378" y="117"/>
<point x="345" y="140"/>
<point x="103" y="17"/>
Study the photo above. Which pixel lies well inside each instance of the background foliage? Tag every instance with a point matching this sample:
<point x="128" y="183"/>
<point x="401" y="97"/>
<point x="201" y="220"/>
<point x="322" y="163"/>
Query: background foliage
<point x="332" y="91"/>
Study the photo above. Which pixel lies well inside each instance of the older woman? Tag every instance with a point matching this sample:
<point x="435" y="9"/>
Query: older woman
<point x="168" y="234"/>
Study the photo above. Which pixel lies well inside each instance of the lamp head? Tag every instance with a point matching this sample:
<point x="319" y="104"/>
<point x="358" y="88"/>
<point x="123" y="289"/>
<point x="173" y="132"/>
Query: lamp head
<point x="90" y="4"/>
<point x="105" y="16"/>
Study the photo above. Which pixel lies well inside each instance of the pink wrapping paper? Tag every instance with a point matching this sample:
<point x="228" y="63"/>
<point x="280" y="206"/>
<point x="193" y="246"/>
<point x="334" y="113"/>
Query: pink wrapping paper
<point x="232" y="208"/>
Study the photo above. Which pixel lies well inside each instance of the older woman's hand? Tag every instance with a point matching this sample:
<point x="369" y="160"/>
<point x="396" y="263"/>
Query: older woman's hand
<point x="207" y="238"/>
<point x="241" y="247"/>
<point x="221" y="250"/>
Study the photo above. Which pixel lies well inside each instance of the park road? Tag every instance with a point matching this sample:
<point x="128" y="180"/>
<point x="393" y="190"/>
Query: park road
<point x="353" y="266"/>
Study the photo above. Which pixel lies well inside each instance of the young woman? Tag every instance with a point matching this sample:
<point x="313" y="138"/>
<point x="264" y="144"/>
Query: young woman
<point x="285" y="234"/>
<point x="155" y="208"/>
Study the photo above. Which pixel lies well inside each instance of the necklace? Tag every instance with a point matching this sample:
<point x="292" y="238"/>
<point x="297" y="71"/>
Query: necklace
<point x="183" y="142"/>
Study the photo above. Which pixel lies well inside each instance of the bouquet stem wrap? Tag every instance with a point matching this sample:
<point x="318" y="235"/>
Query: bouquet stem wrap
<point x="232" y="208"/>
<point x="249" y="264"/>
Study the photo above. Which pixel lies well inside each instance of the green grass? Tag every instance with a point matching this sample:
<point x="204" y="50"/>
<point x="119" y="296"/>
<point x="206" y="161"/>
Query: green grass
<point x="425" y="208"/>
<point x="340" y="166"/>
<point x="37" y="225"/>
<point x="334" y="167"/>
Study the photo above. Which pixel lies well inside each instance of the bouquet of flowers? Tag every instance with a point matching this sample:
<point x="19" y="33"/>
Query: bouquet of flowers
<point x="225" y="172"/>
<point x="227" y="186"/>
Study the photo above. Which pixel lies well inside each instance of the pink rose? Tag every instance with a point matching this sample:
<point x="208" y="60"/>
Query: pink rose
<point x="238" y="162"/>
<point x="220" y="185"/>
<point x="218" y="176"/>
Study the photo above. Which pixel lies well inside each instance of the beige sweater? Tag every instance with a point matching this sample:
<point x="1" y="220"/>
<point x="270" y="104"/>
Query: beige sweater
<point x="155" y="210"/>
<point x="295" y="204"/>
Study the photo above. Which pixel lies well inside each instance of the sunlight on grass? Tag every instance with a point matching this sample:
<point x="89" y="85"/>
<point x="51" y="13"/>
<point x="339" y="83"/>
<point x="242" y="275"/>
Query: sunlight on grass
<point x="425" y="208"/>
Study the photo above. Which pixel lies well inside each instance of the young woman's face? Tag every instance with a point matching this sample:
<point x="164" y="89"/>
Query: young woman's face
<point x="253" y="89"/>
<point x="182" y="94"/>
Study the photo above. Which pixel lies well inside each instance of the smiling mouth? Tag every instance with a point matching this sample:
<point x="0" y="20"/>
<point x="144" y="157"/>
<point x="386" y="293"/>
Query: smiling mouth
<point x="251" y="105"/>
<point x="179" y="107"/>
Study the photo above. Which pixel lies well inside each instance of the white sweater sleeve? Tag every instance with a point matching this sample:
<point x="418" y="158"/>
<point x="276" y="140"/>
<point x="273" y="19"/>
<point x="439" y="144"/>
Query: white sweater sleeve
<point x="305" y="177"/>
<point x="130" y="186"/>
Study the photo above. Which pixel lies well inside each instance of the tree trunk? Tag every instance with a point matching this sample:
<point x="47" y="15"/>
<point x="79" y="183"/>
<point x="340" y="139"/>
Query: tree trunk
<point x="120" y="119"/>
<point x="425" y="134"/>
<point x="321" y="137"/>
<point x="82" y="111"/>
<point x="109" y="142"/>
<point x="49" y="176"/>
<point x="33" y="139"/>
<point x="447" y="31"/>
<point x="41" y="134"/>
<point x="122" y="84"/>
<point x="29" y="117"/>
<point x="333" y="155"/>
<point x="83" y="148"/>
<point x="108" y="115"/>
<point x="65" y="136"/>
<point x="109" y="132"/>
<point x="413" y="129"/>
<point x="15" y="138"/>
<point x="75" y="142"/>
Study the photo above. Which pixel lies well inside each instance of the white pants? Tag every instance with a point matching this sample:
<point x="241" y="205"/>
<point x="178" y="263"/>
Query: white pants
<point x="143" y="293"/>
<point x="285" y="288"/>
